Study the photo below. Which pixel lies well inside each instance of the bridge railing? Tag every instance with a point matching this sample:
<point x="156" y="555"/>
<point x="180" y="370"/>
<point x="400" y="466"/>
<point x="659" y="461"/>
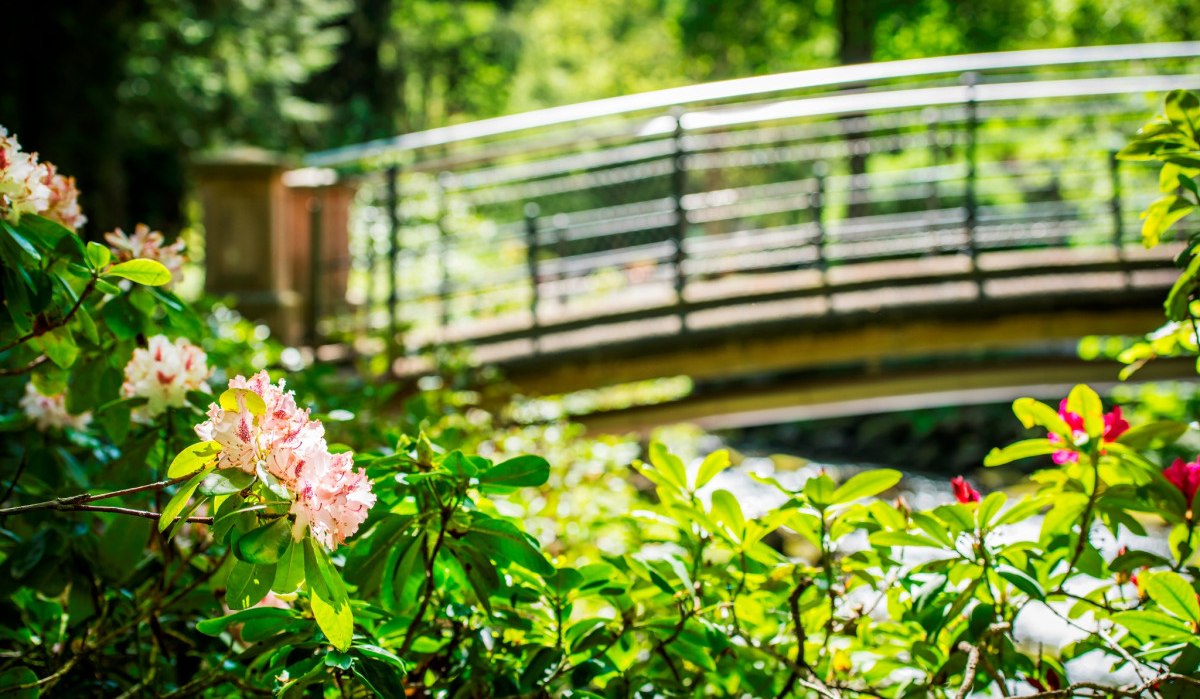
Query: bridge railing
<point x="665" y="203"/>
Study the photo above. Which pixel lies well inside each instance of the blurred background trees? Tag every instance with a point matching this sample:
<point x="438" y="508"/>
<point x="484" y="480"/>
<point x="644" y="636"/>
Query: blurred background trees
<point x="168" y="78"/>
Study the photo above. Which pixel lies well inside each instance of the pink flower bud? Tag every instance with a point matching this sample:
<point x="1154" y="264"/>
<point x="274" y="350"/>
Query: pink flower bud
<point x="963" y="490"/>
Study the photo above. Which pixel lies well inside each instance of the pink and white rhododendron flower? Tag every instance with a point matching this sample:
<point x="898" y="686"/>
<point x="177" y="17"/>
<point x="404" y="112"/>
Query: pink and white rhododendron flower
<point x="147" y="244"/>
<point x="329" y="498"/>
<point x="63" y="205"/>
<point x="50" y="412"/>
<point x="164" y="371"/>
<point x="332" y="499"/>
<point x="30" y="187"/>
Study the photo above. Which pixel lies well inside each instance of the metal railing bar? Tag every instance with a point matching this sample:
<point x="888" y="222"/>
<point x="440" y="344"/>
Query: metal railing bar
<point x="833" y="105"/>
<point x="825" y="77"/>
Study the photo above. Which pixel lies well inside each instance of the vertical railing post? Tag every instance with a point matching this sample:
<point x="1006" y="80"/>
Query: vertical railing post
<point x="443" y="253"/>
<point x="560" y="250"/>
<point x="679" y="231"/>
<point x="531" y="257"/>
<point x="1114" y="168"/>
<point x="970" y="201"/>
<point x="393" y="307"/>
<point x="315" y="261"/>
<point x="818" y="211"/>
<point x="932" y="117"/>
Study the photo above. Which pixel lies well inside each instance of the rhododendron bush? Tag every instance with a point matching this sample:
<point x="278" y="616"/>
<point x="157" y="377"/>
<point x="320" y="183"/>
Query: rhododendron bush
<point x="178" y="523"/>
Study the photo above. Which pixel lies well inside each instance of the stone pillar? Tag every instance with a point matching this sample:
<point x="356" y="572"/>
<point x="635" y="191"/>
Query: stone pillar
<point x="258" y="217"/>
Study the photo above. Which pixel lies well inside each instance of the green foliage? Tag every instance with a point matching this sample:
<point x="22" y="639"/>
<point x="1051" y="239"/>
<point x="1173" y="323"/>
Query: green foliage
<point x="1173" y="140"/>
<point x="484" y="571"/>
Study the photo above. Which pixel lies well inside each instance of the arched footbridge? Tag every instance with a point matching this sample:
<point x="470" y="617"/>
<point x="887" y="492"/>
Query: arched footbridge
<point x="956" y="221"/>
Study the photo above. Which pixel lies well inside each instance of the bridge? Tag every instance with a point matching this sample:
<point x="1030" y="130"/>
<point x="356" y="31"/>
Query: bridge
<point x="875" y="227"/>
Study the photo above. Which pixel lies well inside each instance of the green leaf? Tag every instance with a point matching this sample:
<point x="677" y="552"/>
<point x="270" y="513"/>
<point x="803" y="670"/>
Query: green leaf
<point x="1085" y="402"/>
<point x="668" y="465"/>
<point x="330" y="603"/>
<point x="520" y="472"/>
<point x="214" y="627"/>
<point x="229" y="400"/>
<point x="1024" y="449"/>
<point x="1176" y="304"/>
<point x="819" y="489"/>
<point x="107" y="287"/>
<point x="267" y="544"/>
<point x="506" y="543"/>
<point x="1033" y="413"/>
<point x="1022" y="581"/>
<point x="1021" y="511"/>
<point x="989" y="507"/>
<point x="98" y="256"/>
<point x="141" y="271"/>
<point x="59" y="345"/>
<point x="1136" y="559"/>
<point x="901" y="539"/>
<point x="1158" y="218"/>
<point x="226" y="481"/>
<point x="179" y="501"/>
<point x="1173" y="594"/>
<point x="865" y="485"/>
<point x="247" y="584"/>
<point x="1153" y="435"/>
<point x="727" y="511"/>
<point x="193" y="458"/>
<point x="1182" y="109"/>
<point x="17" y="677"/>
<point x="1153" y="625"/>
<point x="22" y="242"/>
<point x="713" y="464"/>
<point x="289" y="571"/>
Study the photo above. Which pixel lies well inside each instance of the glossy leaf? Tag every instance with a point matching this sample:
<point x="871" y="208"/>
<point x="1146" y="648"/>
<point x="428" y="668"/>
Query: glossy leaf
<point x="865" y="485"/>
<point x="180" y="500"/>
<point x="519" y="472"/>
<point x="193" y="458"/>
<point x="141" y="271"/>
<point x="267" y="544"/>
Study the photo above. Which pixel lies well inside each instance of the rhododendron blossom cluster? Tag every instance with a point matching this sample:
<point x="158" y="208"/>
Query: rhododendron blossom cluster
<point x="330" y="498"/>
<point x="163" y="373"/>
<point x="1184" y="475"/>
<point x="31" y="187"/>
<point x="1114" y="427"/>
<point x="50" y="412"/>
<point x="147" y="244"/>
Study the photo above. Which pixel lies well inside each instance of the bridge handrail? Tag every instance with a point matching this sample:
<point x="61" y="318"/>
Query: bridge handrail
<point x="745" y="87"/>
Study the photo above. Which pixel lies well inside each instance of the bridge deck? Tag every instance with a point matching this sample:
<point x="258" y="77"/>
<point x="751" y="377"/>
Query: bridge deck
<point x="750" y="304"/>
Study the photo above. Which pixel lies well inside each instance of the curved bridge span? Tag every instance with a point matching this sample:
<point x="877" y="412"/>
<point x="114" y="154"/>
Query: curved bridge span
<point x="887" y="220"/>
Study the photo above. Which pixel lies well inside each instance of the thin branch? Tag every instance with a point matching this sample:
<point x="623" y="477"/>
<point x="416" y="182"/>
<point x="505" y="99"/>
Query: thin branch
<point x="39" y="331"/>
<point x="411" y="634"/>
<point x="12" y="485"/>
<point x="47" y="681"/>
<point x="1107" y="690"/>
<point x="974" y="653"/>
<point x="74" y="502"/>
<point x="133" y="513"/>
<point x="18" y="370"/>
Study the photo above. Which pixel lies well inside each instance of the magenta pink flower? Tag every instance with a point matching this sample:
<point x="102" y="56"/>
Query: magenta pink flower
<point x="963" y="491"/>
<point x="1184" y="475"/>
<point x="1114" y="427"/>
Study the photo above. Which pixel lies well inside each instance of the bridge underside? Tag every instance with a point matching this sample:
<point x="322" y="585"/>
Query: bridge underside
<point x="989" y="350"/>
